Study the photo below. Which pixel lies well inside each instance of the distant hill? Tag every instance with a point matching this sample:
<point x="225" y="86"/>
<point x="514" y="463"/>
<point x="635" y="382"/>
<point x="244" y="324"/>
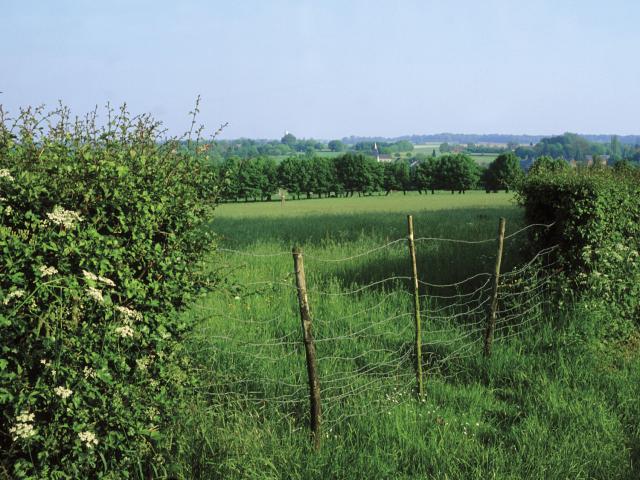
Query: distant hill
<point x="465" y="138"/>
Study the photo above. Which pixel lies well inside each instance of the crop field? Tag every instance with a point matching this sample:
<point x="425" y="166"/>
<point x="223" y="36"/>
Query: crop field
<point x="427" y="148"/>
<point x="483" y="159"/>
<point x="549" y="402"/>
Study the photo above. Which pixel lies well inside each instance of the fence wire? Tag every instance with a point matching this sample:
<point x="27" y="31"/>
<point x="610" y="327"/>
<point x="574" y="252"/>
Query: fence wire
<point x="366" y="355"/>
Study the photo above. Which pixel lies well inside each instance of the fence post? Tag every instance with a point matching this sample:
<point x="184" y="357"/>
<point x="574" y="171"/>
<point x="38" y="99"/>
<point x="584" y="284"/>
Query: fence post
<point x="416" y="307"/>
<point x="309" y="346"/>
<point x="491" y="320"/>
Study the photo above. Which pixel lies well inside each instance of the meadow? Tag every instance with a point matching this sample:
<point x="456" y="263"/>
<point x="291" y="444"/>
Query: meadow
<point x="555" y="400"/>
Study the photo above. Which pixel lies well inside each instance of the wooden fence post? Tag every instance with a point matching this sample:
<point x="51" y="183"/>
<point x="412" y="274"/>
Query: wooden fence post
<point x="491" y="320"/>
<point x="416" y="308"/>
<point x="309" y="346"/>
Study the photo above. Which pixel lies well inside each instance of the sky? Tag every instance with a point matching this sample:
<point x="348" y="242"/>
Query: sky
<point x="329" y="69"/>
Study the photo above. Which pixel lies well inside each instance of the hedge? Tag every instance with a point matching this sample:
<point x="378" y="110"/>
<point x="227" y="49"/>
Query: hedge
<point x="596" y="225"/>
<point x="101" y="232"/>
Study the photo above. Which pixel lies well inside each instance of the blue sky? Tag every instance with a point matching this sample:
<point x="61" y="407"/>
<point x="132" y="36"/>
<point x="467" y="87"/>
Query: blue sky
<point x="328" y="69"/>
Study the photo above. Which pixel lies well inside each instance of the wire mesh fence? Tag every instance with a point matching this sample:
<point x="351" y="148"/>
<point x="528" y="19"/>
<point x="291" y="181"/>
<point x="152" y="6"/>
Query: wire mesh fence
<point x="364" y="337"/>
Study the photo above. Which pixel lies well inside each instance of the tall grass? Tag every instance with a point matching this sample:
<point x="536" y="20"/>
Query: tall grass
<point x="554" y="401"/>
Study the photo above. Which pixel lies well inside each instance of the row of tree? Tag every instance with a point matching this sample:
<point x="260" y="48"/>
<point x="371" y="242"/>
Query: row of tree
<point x="260" y="178"/>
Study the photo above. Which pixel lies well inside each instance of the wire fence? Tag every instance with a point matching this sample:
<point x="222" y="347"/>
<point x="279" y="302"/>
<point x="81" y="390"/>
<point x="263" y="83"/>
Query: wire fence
<point x="365" y="338"/>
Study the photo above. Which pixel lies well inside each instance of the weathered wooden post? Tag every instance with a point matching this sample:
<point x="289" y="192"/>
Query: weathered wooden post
<point x="416" y="308"/>
<point x="491" y="320"/>
<point x="309" y="346"/>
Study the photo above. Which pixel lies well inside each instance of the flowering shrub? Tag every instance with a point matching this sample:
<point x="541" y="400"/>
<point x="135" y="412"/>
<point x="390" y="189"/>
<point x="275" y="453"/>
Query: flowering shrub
<point x="101" y="232"/>
<point x="597" y="227"/>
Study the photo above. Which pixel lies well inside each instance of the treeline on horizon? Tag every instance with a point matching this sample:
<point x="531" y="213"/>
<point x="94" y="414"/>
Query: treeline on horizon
<point x="465" y="138"/>
<point x="569" y="146"/>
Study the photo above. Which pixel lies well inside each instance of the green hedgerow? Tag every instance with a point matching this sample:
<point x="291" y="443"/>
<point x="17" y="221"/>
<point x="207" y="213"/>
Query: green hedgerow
<point x="101" y="234"/>
<point x="596" y="216"/>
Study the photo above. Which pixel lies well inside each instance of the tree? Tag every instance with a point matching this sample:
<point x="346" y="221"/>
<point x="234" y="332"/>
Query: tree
<point x="268" y="178"/>
<point x="390" y="182"/>
<point x="424" y="175"/>
<point x="336" y="146"/>
<point x="289" y="139"/>
<point x="456" y="172"/>
<point x="358" y="173"/>
<point x="249" y="179"/>
<point x="548" y="164"/>
<point x="293" y="175"/>
<point x="445" y="147"/>
<point x="323" y="176"/>
<point x="229" y="175"/>
<point x="503" y="173"/>
<point x="403" y="175"/>
<point x="614" y="148"/>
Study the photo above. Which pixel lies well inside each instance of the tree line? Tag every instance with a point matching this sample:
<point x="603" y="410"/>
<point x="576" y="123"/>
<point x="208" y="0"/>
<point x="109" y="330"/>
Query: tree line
<point x="352" y="173"/>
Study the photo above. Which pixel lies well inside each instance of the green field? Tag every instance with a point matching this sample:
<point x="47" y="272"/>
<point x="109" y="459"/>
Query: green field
<point x="427" y="148"/>
<point x="554" y="400"/>
<point x="483" y="159"/>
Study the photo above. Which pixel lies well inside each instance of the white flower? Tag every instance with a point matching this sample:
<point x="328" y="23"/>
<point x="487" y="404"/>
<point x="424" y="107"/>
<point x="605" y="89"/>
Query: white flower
<point x="66" y="218"/>
<point x="23" y="429"/>
<point x="125" y="331"/>
<point x="143" y="363"/>
<point x="95" y="278"/>
<point x="107" y="282"/>
<point x="26" y="417"/>
<point x="88" y="438"/>
<point x="63" y="392"/>
<point x="12" y="295"/>
<point x="89" y="372"/>
<point x="129" y="313"/>
<point x="5" y="173"/>
<point x="89" y="275"/>
<point x="47" y="271"/>
<point x="95" y="294"/>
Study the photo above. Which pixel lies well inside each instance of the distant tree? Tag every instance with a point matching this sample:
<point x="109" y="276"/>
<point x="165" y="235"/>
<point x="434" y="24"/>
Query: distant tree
<point x="323" y="176"/>
<point x="268" y="178"/>
<point x="357" y="173"/>
<point x="289" y="139"/>
<point x="623" y="166"/>
<point x="375" y="174"/>
<point x="250" y="179"/>
<point x="503" y="173"/>
<point x="424" y="175"/>
<point x="445" y="147"/>
<point x="548" y="164"/>
<point x="293" y="175"/>
<point x="396" y="176"/>
<point x="614" y="148"/>
<point x="403" y="175"/>
<point x="390" y="181"/>
<point x="336" y="146"/>
<point x="456" y="172"/>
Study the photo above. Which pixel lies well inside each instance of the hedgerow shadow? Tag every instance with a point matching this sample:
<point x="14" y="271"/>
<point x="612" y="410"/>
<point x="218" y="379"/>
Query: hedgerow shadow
<point x="348" y="235"/>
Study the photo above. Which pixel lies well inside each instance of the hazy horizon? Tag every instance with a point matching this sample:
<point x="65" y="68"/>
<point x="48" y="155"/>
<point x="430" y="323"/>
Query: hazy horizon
<point x="331" y="69"/>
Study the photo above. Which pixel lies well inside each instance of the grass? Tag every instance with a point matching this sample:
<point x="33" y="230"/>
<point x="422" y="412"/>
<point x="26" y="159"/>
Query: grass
<point x="556" y="400"/>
